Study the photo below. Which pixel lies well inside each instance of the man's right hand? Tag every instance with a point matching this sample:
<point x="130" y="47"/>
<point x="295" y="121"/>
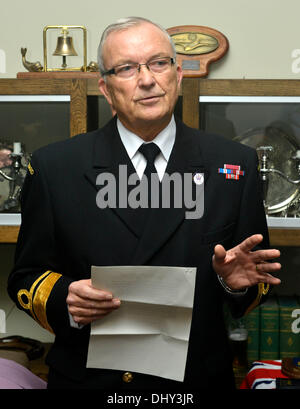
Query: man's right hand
<point x="87" y="303"/>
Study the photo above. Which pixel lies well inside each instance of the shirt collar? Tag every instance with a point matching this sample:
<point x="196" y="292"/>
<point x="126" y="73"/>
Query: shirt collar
<point x="164" y="140"/>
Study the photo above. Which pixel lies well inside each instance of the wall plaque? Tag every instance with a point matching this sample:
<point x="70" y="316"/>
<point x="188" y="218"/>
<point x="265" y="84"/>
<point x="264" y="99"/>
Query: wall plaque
<point x="197" y="47"/>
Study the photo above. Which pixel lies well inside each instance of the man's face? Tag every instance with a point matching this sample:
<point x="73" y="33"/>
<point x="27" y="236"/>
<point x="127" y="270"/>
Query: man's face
<point x="146" y="101"/>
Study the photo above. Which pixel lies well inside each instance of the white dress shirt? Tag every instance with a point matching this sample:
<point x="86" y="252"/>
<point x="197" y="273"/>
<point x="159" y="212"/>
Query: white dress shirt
<point x="164" y="140"/>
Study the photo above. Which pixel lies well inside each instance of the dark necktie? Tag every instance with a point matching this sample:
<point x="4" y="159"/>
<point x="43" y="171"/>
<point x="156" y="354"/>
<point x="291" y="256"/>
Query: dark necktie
<point x="150" y="152"/>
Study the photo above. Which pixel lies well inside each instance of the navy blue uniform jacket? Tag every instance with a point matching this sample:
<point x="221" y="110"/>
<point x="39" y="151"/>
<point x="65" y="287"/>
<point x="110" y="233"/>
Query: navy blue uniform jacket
<point x="63" y="233"/>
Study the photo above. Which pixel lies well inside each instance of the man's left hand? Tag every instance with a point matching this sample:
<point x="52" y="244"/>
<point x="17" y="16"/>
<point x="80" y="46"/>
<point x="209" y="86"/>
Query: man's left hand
<point x="240" y="267"/>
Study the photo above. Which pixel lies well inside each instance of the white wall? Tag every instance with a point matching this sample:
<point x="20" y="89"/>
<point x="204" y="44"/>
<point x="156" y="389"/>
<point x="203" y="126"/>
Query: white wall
<point x="263" y="34"/>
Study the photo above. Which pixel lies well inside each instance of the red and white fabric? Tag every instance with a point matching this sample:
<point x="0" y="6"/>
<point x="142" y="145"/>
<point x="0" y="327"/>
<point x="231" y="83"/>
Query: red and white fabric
<point x="262" y="375"/>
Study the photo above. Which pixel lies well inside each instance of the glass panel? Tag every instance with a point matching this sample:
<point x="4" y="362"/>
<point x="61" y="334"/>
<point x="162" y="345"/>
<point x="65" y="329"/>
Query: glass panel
<point x="35" y="124"/>
<point x="272" y="122"/>
<point x="27" y="123"/>
<point x="232" y="117"/>
<point x="99" y="112"/>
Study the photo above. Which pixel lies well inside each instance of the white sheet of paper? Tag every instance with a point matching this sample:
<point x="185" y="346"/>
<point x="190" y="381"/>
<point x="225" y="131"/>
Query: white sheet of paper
<point x="150" y="331"/>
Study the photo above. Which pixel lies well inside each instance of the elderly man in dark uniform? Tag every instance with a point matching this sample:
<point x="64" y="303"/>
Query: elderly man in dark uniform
<point x="64" y="232"/>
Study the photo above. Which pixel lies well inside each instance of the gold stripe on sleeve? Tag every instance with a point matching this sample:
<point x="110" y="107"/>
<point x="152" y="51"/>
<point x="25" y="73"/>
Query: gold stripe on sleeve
<point x="262" y="290"/>
<point x="37" y="297"/>
<point x="27" y="305"/>
<point x="41" y="297"/>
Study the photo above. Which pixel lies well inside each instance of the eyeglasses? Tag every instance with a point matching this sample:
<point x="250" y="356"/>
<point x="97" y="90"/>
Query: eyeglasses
<point x="129" y="71"/>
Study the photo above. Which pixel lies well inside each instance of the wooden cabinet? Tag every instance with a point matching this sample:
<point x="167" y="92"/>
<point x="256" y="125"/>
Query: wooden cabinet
<point x="82" y="91"/>
<point x="31" y="93"/>
<point x="194" y="90"/>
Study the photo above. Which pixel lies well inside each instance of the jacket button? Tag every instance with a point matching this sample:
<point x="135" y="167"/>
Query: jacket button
<point x="127" y="377"/>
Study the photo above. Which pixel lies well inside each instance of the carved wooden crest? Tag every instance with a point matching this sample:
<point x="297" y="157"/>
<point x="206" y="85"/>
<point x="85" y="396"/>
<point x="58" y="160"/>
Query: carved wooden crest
<point x="197" y="47"/>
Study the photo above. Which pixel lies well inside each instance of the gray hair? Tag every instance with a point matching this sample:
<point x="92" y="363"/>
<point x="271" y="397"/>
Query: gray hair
<point x="123" y="24"/>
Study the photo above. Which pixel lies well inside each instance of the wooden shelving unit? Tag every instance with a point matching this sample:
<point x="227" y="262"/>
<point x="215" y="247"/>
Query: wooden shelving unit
<point x="192" y="88"/>
<point x="75" y="88"/>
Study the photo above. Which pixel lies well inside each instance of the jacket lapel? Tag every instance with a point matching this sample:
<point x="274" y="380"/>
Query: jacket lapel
<point x="185" y="158"/>
<point x="110" y="160"/>
<point x="109" y="153"/>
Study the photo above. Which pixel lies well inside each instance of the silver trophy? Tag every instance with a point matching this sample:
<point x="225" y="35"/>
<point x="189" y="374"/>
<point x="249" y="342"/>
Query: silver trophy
<point x="279" y="166"/>
<point x="13" y="166"/>
<point x="291" y="204"/>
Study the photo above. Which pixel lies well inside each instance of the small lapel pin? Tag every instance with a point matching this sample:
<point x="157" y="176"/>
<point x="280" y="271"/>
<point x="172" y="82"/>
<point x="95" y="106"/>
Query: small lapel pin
<point x="231" y="171"/>
<point x="198" y="178"/>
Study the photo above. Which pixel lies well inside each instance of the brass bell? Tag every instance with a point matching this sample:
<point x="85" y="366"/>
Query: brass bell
<point x="64" y="47"/>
